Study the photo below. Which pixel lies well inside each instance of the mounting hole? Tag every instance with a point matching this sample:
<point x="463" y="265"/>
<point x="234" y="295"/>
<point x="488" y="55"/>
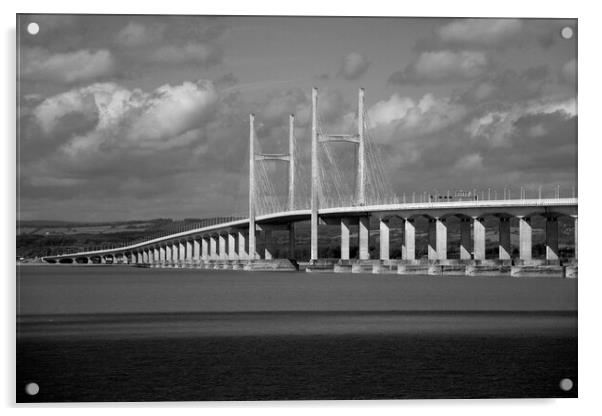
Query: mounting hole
<point x="33" y="28"/>
<point x="566" y="384"/>
<point x="566" y="32"/>
<point x="32" y="389"/>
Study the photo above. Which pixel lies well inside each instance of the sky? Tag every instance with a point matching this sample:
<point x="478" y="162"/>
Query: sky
<point x="139" y="117"/>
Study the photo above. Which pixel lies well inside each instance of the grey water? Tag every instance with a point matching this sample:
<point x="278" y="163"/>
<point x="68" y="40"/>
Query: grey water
<point x="112" y="333"/>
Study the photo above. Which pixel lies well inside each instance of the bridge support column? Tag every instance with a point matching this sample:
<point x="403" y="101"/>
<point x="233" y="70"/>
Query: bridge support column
<point x="432" y="239"/>
<point x="181" y="253"/>
<point x="465" y="246"/>
<point x="267" y="241"/>
<point x="189" y="253"/>
<point x="174" y="253"/>
<point x="196" y="246"/>
<point x="222" y="247"/>
<point x="204" y="249"/>
<point x="551" y="237"/>
<point x="162" y="254"/>
<point x="441" y="231"/>
<point x="504" y="244"/>
<point x="384" y="239"/>
<point x="408" y="251"/>
<point x="576" y="239"/>
<point x="232" y="246"/>
<point x="242" y="250"/>
<point x="344" y="238"/>
<point x="478" y="225"/>
<point x="364" y="238"/>
<point x="525" y="232"/>
<point x="145" y="256"/>
<point x="212" y="247"/>
<point x="168" y="254"/>
<point x="157" y="254"/>
<point x="291" y="240"/>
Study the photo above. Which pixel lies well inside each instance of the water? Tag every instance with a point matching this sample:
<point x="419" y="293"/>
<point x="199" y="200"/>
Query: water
<point x="128" y="334"/>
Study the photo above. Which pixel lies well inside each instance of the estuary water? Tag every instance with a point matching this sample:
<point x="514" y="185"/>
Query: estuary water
<point x="110" y="333"/>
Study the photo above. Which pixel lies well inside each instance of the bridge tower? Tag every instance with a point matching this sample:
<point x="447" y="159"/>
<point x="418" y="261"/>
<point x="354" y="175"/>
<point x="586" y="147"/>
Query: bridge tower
<point x="358" y="139"/>
<point x="253" y="157"/>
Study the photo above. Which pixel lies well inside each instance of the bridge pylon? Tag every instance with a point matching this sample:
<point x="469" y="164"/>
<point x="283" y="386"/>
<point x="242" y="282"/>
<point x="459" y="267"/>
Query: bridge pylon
<point x="254" y="157"/>
<point x="358" y="139"/>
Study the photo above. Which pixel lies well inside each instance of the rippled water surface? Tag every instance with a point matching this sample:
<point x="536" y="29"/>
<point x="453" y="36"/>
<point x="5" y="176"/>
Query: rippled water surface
<point x="129" y="334"/>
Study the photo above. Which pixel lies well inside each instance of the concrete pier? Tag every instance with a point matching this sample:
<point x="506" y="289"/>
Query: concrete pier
<point x="384" y="238"/>
<point x="504" y="239"/>
<point x="465" y="240"/>
<point x="204" y="249"/>
<point x="242" y="251"/>
<point x="551" y="237"/>
<point x="441" y="231"/>
<point x="196" y="244"/>
<point x="409" y="249"/>
<point x="364" y="237"/>
<point x="478" y="228"/>
<point x="232" y="255"/>
<point x="267" y="241"/>
<point x="432" y="239"/>
<point x="525" y="232"/>
<point x="223" y="255"/>
<point x="345" y="238"/>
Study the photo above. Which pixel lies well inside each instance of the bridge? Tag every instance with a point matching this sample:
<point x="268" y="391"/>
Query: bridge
<point x="328" y="195"/>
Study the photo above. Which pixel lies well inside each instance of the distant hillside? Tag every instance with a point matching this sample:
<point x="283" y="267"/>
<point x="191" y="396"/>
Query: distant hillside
<point x="44" y="237"/>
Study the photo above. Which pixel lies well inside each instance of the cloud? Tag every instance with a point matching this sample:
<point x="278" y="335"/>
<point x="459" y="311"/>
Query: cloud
<point x="498" y="127"/>
<point x="402" y="118"/>
<point x="353" y="66"/>
<point x="133" y="119"/>
<point x="70" y="67"/>
<point x="509" y="85"/>
<point x="568" y="73"/>
<point x="136" y="34"/>
<point x="198" y="53"/>
<point x="480" y="31"/>
<point x="472" y="161"/>
<point x="443" y="66"/>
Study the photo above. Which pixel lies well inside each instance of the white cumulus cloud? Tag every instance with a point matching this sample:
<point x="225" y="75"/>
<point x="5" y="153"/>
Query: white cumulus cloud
<point x="130" y="118"/>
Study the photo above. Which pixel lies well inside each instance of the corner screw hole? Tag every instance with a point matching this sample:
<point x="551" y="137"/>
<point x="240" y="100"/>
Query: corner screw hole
<point x="566" y="384"/>
<point x="32" y="389"/>
<point x="33" y="28"/>
<point x="566" y="32"/>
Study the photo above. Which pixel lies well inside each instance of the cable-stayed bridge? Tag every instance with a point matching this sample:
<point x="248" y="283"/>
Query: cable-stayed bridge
<point x="345" y="184"/>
